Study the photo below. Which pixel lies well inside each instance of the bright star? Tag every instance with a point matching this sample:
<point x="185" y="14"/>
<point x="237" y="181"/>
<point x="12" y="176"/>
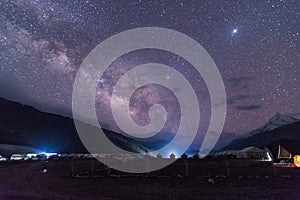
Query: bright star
<point x="234" y="31"/>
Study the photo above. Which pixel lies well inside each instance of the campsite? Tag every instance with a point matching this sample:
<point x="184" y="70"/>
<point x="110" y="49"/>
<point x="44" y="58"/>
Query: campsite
<point x="135" y="100"/>
<point x="244" y="174"/>
<point x="206" y="178"/>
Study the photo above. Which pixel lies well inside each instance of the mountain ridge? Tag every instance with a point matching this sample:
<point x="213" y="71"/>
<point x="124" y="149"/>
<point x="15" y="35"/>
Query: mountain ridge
<point x="27" y="126"/>
<point x="274" y="122"/>
<point x="266" y="138"/>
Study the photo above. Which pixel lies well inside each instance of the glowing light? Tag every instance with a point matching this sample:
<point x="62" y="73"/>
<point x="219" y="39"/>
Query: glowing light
<point x="49" y="154"/>
<point x="234" y="31"/>
<point x="172" y="154"/>
<point x="297" y="160"/>
<point x="269" y="158"/>
<point x="30" y="155"/>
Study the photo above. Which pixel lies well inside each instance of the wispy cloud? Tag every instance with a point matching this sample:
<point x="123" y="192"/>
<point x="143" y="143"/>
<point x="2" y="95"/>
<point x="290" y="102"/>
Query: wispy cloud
<point x="234" y="99"/>
<point x="240" y="82"/>
<point x="248" y="107"/>
<point x="242" y="97"/>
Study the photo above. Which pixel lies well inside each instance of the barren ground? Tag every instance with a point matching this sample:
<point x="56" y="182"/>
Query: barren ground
<point x="25" y="180"/>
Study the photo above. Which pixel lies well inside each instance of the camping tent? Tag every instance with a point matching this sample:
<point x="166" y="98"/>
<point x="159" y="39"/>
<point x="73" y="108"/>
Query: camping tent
<point x="285" y="149"/>
<point x="247" y="153"/>
<point x="283" y="153"/>
<point x="252" y="153"/>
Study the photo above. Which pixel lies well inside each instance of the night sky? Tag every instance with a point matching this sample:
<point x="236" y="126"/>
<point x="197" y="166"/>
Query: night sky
<point x="255" y="45"/>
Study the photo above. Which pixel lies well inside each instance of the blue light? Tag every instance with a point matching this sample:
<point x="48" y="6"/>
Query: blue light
<point x="49" y="154"/>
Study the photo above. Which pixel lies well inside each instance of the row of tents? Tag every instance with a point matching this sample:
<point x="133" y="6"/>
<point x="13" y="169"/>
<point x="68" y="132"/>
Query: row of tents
<point x="278" y="153"/>
<point x="247" y="153"/>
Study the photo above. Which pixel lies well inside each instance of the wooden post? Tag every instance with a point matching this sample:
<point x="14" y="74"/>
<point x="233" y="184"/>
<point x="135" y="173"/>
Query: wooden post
<point x="108" y="162"/>
<point x="92" y="166"/>
<point x="227" y="167"/>
<point x="72" y="166"/>
<point x="274" y="170"/>
<point x="147" y="163"/>
<point x="186" y="168"/>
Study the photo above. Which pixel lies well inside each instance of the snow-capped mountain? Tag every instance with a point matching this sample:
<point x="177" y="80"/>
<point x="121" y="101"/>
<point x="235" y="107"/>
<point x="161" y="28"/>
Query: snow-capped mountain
<point x="286" y="135"/>
<point x="295" y="115"/>
<point x="276" y="121"/>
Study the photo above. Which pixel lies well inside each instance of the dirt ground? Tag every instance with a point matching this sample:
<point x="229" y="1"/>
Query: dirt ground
<point x="87" y="179"/>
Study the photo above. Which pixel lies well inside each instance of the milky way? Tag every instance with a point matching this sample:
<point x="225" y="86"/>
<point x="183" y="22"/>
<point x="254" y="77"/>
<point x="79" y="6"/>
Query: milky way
<point x="255" y="45"/>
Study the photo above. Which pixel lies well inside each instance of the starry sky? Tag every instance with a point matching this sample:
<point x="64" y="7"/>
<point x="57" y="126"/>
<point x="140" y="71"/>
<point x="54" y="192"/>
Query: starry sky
<point x="255" y="44"/>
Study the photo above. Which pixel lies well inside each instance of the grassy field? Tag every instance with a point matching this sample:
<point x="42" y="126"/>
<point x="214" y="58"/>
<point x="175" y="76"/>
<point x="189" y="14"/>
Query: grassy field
<point x="199" y="179"/>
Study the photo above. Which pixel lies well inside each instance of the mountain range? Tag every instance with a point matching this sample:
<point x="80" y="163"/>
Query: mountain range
<point x="31" y="129"/>
<point x="276" y="121"/>
<point x="279" y="130"/>
<point x="27" y="126"/>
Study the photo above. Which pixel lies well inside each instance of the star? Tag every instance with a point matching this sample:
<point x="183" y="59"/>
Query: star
<point x="43" y="43"/>
<point x="234" y="31"/>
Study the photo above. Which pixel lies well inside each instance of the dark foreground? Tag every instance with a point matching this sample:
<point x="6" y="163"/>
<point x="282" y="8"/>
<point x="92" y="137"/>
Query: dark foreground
<point x="204" y="180"/>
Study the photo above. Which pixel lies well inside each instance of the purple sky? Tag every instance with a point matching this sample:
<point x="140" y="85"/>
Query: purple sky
<point x="255" y="45"/>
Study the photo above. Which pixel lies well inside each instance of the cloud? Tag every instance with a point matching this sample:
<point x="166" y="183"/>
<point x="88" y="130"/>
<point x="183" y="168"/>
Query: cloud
<point x="248" y="107"/>
<point x="242" y="97"/>
<point x="240" y="82"/>
<point x="234" y="99"/>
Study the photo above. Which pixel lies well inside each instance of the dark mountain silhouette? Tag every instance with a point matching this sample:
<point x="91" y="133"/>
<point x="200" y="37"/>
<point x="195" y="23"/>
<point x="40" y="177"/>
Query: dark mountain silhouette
<point x="290" y="133"/>
<point x="8" y="149"/>
<point x="25" y="125"/>
<point x="225" y="139"/>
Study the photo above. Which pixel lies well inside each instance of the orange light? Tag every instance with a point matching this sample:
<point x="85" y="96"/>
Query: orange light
<point x="297" y="160"/>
